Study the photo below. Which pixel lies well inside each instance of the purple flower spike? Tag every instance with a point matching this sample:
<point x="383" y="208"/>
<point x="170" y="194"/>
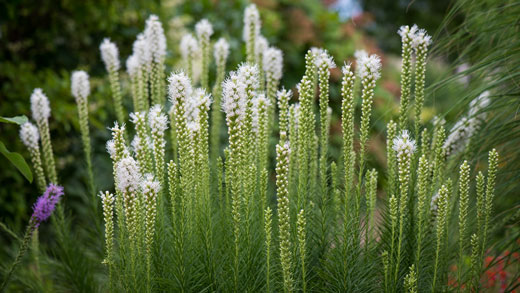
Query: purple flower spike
<point x="46" y="203"/>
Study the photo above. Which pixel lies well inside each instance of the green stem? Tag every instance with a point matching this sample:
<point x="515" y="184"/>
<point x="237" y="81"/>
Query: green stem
<point x="23" y="248"/>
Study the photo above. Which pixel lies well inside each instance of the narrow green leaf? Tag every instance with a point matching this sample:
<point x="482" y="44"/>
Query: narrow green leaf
<point x="18" y="161"/>
<point x="17" y="120"/>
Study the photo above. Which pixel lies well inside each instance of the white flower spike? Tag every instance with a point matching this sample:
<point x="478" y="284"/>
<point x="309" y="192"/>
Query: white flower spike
<point x="40" y="107"/>
<point x="29" y="135"/>
<point x="80" y="86"/>
<point x="368" y="66"/>
<point x="221" y="50"/>
<point x="154" y="35"/>
<point x="110" y="55"/>
<point x="203" y="28"/>
<point x="273" y="62"/>
<point x="251" y="17"/>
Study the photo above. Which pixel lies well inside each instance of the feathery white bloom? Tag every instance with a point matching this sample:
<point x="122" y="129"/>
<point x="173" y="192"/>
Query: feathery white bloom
<point x="368" y="66"/>
<point x="179" y="87"/>
<point x="249" y="77"/>
<point x="273" y="62"/>
<point x="322" y="57"/>
<point x="110" y="55"/>
<point x="188" y="46"/>
<point x="479" y="103"/>
<point x="193" y="107"/>
<point x="346" y="68"/>
<point x="199" y="98"/>
<point x="80" y="85"/>
<point x="40" y="107"/>
<point x="204" y="29"/>
<point x="141" y="49"/>
<point x="132" y="65"/>
<point x="136" y="143"/>
<point x="137" y="117"/>
<point x="202" y="98"/>
<point x="221" y="50"/>
<point x="261" y="45"/>
<point x="127" y="175"/>
<point x="111" y="149"/>
<point x="459" y="135"/>
<point x="407" y="33"/>
<point x="151" y="186"/>
<point x="251" y="17"/>
<point x="260" y="104"/>
<point x="404" y="144"/>
<point x="466" y="127"/>
<point x="29" y="135"/>
<point x="193" y="127"/>
<point x="234" y="97"/>
<point x="421" y="38"/>
<point x="157" y="120"/>
<point x="315" y="51"/>
<point x="154" y="35"/>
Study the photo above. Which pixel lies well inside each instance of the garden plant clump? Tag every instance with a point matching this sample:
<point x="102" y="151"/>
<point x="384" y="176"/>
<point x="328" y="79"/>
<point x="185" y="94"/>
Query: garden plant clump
<point x="193" y="212"/>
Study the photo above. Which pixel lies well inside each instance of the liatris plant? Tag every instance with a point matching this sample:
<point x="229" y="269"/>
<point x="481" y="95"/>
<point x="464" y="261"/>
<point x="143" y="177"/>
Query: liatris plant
<point x="251" y="31"/>
<point x="204" y="31"/>
<point x="41" y="112"/>
<point x="192" y="219"/>
<point x="30" y="137"/>
<point x="189" y="48"/>
<point x="156" y="43"/>
<point x="42" y="210"/>
<point x="80" y="87"/>
<point x="221" y="52"/>
<point x="110" y="56"/>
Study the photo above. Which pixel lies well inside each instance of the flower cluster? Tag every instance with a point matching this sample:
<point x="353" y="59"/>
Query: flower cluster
<point x="80" y="85"/>
<point x="248" y="75"/>
<point x="368" y="66"/>
<point x="158" y="120"/>
<point x="260" y="105"/>
<point x="204" y="29"/>
<point x="128" y="177"/>
<point x="273" y="62"/>
<point x="465" y="128"/>
<point x="179" y="87"/>
<point x="46" y="204"/>
<point x="415" y="36"/>
<point x="233" y="93"/>
<point x="110" y="55"/>
<point x="155" y="38"/>
<point x="404" y="145"/>
<point x="141" y="55"/>
<point x="189" y="46"/>
<point x="251" y="20"/>
<point x="29" y="135"/>
<point x="261" y="46"/>
<point x="40" y="105"/>
<point x="221" y="50"/>
<point x="323" y="59"/>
